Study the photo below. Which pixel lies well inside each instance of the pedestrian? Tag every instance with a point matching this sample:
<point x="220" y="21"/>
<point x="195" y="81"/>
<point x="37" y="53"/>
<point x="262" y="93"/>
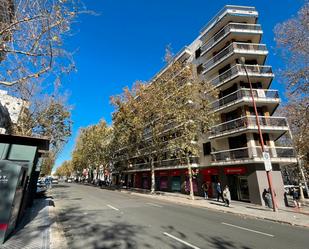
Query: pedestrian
<point x="219" y="192"/>
<point x="205" y="189"/>
<point x="227" y="196"/>
<point x="296" y="198"/>
<point x="265" y="197"/>
<point x="47" y="182"/>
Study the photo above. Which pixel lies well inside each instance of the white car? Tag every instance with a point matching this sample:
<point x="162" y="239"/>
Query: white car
<point x="54" y="181"/>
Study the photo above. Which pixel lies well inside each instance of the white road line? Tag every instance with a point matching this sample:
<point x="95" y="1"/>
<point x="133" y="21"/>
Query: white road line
<point x="250" y="230"/>
<point x="153" y="204"/>
<point x="110" y="206"/>
<point x="181" y="241"/>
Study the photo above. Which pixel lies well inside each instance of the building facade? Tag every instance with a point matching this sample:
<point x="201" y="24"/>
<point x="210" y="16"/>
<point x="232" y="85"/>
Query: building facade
<point x="10" y="109"/>
<point x="231" y="152"/>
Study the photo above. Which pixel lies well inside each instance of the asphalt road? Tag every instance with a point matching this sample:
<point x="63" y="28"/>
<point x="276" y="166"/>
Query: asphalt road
<point x="97" y="218"/>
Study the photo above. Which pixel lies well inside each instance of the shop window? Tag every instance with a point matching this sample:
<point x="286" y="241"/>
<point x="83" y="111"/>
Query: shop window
<point x="206" y="149"/>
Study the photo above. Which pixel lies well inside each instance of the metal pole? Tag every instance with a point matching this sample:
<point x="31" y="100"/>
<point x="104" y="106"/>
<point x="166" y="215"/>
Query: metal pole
<point x="268" y="173"/>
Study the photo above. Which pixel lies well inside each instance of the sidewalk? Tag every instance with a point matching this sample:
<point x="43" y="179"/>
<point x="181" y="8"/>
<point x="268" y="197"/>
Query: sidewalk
<point x="288" y="215"/>
<point x="38" y="229"/>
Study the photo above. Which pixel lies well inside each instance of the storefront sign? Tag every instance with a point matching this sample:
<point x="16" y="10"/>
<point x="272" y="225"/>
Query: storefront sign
<point x="162" y="173"/>
<point x="235" y="171"/>
<point x="210" y="171"/>
<point x="176" y="172"/>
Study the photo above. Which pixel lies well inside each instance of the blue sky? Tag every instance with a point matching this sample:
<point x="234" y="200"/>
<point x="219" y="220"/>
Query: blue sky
<point x="126" y="42"/>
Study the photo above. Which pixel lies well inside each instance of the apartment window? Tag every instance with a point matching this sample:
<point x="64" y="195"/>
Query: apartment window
<point x="200" y="68"/>
<point x="206" y="148"/>
<point x="198" y="53"/>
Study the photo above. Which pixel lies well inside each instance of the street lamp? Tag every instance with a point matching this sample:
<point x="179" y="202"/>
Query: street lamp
<point x="266" y="156"/>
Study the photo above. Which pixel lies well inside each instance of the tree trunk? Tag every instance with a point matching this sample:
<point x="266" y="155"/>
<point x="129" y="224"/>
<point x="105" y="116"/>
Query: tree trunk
<point x="190" y="178"/>
<point x="153" y="182"/>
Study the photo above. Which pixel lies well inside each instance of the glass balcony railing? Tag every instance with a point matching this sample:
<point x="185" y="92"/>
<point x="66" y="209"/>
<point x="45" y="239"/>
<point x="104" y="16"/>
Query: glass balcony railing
<point x="238" y="69"/>
<point x="250" y="153"/>
<point x="232" y="48"/>
<point x="248" y="122"/>
<point x="231" y="27"/>
<point x="245" y="93"/>
<point x="277" y="152"/>
<point x="233" y="154"/>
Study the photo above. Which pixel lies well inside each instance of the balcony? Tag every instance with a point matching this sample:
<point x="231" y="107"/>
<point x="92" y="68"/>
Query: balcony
<point x="228" y="29"/>
<point x="274" y="125"/>
<point x="238" y="70"/>
<point x="241" y="96"/>
<point x="283" y="155"/>
<point x="230" y="12"/>
<point x="166" y="164"/>
<point x="235" y="48"/>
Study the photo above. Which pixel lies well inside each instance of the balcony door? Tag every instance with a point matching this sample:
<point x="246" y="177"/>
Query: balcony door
<point x="238" y="141"/>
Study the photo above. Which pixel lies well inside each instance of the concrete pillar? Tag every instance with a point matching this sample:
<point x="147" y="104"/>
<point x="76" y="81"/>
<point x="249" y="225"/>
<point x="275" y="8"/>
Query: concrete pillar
<point x="257" y="182"/>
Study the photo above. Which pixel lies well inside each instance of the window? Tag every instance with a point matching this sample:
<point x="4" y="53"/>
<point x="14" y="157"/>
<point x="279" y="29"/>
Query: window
<point x="198" y="53"/>
<point x="206" y="148"/>
<point x="200" y="69"/>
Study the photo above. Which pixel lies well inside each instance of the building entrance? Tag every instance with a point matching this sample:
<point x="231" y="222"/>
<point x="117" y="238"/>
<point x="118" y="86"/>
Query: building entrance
<point x="238" y="186"/>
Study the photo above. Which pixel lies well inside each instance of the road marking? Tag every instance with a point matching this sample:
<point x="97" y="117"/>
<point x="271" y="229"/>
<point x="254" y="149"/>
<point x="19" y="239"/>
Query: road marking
<point x="247" y="229"/>
<point x="153" y="204"/>
<point x="181" y="241"/>
<point x="110" y="206"/>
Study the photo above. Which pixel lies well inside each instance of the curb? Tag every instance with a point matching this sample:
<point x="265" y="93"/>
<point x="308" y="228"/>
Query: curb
<point x="57" y="237"/>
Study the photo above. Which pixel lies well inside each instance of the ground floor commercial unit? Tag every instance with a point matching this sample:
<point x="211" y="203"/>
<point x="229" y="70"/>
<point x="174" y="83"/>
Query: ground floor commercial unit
<point x="246" y="182"/>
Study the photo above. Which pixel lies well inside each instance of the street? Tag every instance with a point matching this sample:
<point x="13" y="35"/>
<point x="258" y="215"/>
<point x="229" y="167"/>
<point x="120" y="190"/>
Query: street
<point x="98" y="218"/>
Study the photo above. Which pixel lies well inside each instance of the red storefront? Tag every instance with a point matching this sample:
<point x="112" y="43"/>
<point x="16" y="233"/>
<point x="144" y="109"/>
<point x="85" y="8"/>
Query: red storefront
<point x="162" y="180"/>
<point x="211" y="177"/>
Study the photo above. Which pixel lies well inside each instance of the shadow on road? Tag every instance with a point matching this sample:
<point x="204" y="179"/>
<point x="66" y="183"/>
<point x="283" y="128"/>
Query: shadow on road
<point x="85" y="231"/>
<point x="220" y="242"/>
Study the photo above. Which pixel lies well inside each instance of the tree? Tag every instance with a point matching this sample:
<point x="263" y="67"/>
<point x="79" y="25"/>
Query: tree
<point x="189" y="109"/>
<point x="127" y="127"/>
<point x="292" y="37"/>
<point x="293" y="42"/>
<point x="91" y="148"/>
<point x="65" y="169"/>
<point x="31" y="39"/>
<point x="47" y="115"/>
<point x="163" y="119"/>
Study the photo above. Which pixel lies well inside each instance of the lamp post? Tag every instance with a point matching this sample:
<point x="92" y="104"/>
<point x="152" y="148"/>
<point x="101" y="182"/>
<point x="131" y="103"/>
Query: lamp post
<point x="265" y="152"/>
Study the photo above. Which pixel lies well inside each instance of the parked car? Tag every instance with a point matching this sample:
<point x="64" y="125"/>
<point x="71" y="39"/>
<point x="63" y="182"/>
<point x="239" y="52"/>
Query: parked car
<point x="41" y="187"/>
<point x="55" y="180"/>
<point x="69" y="180"/>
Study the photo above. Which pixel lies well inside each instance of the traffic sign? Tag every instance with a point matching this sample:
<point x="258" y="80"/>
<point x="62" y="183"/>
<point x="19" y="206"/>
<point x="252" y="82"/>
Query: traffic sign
<point x="267" y="162"/>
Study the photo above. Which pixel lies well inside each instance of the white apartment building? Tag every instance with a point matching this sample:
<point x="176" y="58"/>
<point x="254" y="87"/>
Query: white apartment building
<point x="231" y="153"/>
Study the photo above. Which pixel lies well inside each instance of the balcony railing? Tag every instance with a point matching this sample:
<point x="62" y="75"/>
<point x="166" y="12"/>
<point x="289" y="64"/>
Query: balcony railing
<point x="247" y="122"/>
<point x="230" y="10"/>
<point x="167" y="163"/>
<point x="245" y="93"/>
<point x="233" y="154"/>
<point x="232" y="48"/>
<point x="238" y="69"/>
<point x="236" y="27"/>
<point x="247" y="153"/>
<point x="277" y="152"/>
